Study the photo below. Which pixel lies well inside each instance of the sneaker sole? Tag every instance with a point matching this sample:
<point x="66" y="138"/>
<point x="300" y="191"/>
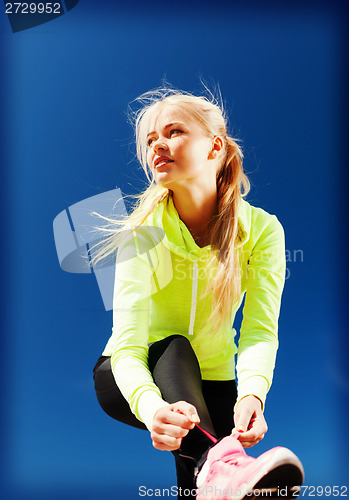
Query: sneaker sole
<point x="281" y="478"/>
<point x="284" y="480"/>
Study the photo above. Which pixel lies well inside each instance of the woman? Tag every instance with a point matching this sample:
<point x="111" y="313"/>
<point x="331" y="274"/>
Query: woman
<point x="193" y="250"/>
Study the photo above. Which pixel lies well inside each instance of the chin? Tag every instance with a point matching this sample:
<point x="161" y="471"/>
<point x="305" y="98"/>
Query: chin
<point x="164" y="183"/>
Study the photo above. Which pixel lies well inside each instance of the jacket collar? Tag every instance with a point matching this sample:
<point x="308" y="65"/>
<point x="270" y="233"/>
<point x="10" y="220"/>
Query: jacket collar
<point x="180" y="237"/>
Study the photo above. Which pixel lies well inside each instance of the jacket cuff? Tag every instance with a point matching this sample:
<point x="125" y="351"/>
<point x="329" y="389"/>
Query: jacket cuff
<point x="256" y="385"/>
<point x="148" y="404"/>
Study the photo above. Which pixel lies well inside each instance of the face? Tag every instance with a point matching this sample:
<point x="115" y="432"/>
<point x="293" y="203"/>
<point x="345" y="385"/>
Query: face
<point x="178" y="149"/>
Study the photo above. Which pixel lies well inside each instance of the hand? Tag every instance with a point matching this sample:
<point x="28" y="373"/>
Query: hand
<point x="249" y="421"/>
<point x="171" y="424"/>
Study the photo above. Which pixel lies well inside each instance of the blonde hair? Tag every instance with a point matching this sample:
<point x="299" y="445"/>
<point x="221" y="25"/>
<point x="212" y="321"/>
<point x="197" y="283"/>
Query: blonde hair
<point x="232" y="184"/>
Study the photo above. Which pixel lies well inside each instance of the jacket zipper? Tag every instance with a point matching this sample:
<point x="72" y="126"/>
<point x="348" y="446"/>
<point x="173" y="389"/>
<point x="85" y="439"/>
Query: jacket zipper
<point x="194" y="293"/>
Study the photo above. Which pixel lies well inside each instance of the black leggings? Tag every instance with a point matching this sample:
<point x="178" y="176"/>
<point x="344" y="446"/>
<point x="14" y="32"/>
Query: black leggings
<point x="176" y="372"/>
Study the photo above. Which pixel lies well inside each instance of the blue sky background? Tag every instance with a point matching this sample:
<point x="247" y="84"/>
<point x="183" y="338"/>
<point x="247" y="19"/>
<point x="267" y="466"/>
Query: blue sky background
<point x="66" y="86"/>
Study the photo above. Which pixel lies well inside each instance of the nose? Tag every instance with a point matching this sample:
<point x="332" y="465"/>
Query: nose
<point x="160" y="145"/>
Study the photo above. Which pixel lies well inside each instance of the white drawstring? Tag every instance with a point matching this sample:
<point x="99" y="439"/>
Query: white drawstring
<point x="194" y="293"/>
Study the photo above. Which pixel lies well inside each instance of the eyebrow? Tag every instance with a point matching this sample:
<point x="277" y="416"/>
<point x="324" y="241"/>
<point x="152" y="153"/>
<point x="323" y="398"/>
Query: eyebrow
<point x="167" y="126"/>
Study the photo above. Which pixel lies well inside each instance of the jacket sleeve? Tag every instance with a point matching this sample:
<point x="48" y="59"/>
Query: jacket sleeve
<point x="258" y="341"/>
<point x="134" y="283"/>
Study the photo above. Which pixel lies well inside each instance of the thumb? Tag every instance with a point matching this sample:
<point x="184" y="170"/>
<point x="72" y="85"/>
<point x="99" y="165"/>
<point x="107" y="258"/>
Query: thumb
<point x="243" y="420"/>
<point x="241" y="427"/>
<point x="188" y="410"/>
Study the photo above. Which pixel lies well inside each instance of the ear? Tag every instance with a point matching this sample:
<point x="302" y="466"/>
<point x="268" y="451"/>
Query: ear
<point x="217" y="148"/>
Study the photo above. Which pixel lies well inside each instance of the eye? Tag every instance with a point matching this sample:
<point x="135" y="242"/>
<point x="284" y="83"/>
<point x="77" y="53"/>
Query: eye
<point x="172" y="132"/>
<point x="176" y="131"/>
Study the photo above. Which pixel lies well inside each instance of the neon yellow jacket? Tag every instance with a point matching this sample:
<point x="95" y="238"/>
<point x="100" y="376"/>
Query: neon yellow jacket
<point x="160" y="275"/>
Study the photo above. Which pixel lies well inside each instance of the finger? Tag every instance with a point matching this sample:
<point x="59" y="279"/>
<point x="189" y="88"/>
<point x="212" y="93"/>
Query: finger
<point x="251" y="436"/>
<point x="172" y="430"/>
<point x="168" y="426"/>
<point x="246" y="442"/>
<point x="236" y="433"/>
<point x="178" y="419"/>
<point x="251" y="442"/>
<point x="245" y="439"/>
<point x="188" y="410"/>
<point x="165" y="439"/>
<point x="164" y="442"/>
<point x="243" y="419"/>
<point x="258" y="429"/>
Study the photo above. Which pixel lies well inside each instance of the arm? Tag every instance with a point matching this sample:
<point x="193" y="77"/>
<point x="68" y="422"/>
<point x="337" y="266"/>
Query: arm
<point x="258" y="335"/>
<point x="128" y="345"/>
<point x="139" y="273"/>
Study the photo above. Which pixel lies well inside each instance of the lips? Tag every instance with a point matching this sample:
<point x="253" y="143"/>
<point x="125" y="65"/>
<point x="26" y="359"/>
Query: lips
<point x="161" y="161"/>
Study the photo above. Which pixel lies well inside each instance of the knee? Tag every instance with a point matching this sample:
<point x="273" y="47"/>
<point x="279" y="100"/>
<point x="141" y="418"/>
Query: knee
<point x="182" y="347"/>
<point x="175" y="347"/>
<point x="180" y="339"/>
<point x="177" y="342"/>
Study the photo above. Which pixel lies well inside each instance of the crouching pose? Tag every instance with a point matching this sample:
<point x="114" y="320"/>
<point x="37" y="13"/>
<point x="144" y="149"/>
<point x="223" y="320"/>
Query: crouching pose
<point x="186" y="256"/>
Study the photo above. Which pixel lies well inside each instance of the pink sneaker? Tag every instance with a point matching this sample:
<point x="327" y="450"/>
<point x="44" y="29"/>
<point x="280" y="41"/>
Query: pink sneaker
<point x="230" y="474"/>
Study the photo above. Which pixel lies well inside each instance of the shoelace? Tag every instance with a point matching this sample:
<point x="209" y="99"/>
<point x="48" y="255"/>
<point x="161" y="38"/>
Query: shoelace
<point x="234" y="459"/>
<point x="213" y="439"/>
<point x="237" y="459"/>
<point x="228" y="459"/>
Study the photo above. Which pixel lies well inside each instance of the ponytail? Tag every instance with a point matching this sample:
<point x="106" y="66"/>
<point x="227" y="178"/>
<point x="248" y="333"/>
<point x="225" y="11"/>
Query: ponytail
<point x="226" y="285"/>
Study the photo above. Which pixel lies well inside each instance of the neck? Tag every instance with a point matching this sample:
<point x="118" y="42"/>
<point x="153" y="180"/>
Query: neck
<point x="196" y="208"/>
